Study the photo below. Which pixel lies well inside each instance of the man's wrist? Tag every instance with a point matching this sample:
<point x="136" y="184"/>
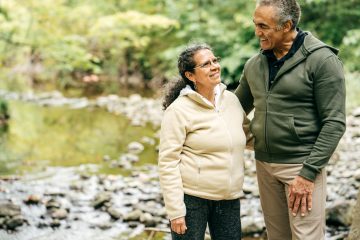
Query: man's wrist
<point x="308" y="174"/>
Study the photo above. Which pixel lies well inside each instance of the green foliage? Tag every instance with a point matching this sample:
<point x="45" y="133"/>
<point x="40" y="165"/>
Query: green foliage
<point x="220" y="24"/>
<point x="136" y="43"/>
<point x="69" y="56"/>
<point x="351" y="50"/>
<point x="331" y="19"/>
<point x="125" y="41"/>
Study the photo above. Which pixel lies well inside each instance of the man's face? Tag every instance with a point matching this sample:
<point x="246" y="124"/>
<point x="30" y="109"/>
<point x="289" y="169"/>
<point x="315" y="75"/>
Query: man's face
<point x="266" y="28"/>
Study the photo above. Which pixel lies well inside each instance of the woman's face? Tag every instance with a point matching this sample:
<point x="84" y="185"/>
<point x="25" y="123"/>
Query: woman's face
<point x="207" y="70"/>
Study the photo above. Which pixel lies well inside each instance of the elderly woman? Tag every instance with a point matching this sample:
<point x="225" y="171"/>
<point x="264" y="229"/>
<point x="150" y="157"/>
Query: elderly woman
<point x="201" y="151"/>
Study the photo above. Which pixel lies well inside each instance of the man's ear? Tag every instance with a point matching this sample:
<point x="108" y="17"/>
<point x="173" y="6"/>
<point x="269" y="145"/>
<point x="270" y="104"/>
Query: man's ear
<point x="287" y="26"/>
<point x="190" y="76"/>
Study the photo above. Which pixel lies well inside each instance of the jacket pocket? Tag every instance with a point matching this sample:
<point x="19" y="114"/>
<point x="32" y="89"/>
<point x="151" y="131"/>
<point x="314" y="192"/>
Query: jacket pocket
<point x="281" y="134"/>
<point x="257" y="128"/>
<point x="190" y="170"/>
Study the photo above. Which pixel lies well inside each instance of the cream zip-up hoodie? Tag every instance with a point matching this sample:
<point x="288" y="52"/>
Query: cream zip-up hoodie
<point x="201" y="149"/>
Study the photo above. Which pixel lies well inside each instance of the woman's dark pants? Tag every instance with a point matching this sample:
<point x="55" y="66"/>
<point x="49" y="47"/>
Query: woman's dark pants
<point x="222" y="216"/>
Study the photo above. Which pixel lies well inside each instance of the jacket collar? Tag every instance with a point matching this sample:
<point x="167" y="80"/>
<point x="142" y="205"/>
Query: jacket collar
<point x="310" y="45"/>
<point x="193" y="95"/>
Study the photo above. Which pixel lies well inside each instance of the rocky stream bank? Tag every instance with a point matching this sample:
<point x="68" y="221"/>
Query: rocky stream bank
<point x="77" y="203"/>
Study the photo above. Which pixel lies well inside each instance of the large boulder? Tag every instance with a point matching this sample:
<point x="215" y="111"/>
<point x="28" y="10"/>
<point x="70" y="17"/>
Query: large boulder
<point x="8" y="209"/>
<point x="340" y="212"/>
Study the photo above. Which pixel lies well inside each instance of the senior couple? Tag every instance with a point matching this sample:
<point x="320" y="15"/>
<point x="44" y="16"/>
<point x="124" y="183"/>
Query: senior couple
<point x="296" y="86"/>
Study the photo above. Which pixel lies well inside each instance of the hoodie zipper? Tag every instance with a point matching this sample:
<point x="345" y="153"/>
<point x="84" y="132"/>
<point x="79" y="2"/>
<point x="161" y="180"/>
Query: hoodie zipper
<point x="268" y="92"/>
<point x="267" y="89"/>
<point x="266" y="123"/>
<point x="231" y="146"/>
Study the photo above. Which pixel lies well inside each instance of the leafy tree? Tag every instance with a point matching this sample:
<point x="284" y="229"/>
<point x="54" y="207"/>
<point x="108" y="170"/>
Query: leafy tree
<point x="124" y="41"/>
<point x="331" y="19"/>
<point x="351" y="50"/>
<point x="61" y="43"/>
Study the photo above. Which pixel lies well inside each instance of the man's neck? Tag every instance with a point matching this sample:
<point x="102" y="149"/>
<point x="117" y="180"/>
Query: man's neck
<point x="286" y="45"/>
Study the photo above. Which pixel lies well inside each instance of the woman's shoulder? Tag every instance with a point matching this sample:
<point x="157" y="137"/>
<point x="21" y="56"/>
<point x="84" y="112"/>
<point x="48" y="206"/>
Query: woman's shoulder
<point x="178" y="104"/>
<point x="232" y="99"/>
<point x="230" y="95"/>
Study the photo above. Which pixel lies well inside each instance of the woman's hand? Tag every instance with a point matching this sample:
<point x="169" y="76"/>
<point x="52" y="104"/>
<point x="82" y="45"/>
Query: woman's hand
<point x="178" y="225"/>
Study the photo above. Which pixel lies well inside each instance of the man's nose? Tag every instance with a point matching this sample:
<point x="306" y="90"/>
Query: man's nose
<point x="258" y="32"/>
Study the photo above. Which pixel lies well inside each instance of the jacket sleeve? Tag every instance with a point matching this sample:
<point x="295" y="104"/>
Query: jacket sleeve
<point x="172" y="138"/>
<point x="329" y="93"/>
<point x="244" y="94"/>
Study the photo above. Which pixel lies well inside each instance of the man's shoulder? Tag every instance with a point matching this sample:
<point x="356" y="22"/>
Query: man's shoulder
<point x="320" y="55"/>
<point x="314" y="45"/>
<point x="256" y="59"/>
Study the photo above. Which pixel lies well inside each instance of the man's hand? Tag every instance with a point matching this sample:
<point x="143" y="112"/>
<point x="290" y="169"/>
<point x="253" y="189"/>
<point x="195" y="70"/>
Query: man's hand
<point x="178" y="225"/>
<point x="300" y="195"/>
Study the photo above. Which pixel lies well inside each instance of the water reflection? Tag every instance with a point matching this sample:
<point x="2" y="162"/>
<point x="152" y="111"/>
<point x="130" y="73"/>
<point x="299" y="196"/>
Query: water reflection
<point x="38" y="137"/>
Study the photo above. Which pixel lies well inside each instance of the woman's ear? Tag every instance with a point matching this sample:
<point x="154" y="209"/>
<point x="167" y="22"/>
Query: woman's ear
<point x="190" y="76"/>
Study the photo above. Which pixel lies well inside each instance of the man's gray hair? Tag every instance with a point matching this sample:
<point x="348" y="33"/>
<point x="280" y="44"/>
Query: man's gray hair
<point x="287" y="10"/>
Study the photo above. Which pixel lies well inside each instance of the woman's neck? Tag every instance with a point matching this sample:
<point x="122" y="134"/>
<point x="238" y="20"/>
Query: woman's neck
<point x="208" y="93"/>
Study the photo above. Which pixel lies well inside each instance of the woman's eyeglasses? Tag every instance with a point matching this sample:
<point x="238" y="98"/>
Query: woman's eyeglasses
<point x="207" y="64"/>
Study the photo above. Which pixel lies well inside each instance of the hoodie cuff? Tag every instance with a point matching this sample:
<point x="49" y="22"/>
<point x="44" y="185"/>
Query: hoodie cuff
<point x="176" y="215"/>
<point x="308" y="173"/>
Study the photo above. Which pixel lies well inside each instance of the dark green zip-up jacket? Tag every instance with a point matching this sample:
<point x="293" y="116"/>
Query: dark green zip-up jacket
<point x="301" y="118"/>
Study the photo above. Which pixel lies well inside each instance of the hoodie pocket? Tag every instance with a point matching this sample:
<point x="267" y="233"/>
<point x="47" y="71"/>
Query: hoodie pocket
<point x="257" y="128"/>
<point x="190" y="172"/>
<point x="281" y="134"/>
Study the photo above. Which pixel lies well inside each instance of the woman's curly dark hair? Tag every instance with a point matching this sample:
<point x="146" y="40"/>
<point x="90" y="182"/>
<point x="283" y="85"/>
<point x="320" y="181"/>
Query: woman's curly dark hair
<point x="185" y="64"/>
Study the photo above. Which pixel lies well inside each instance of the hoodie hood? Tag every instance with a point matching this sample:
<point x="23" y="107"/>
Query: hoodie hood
<point x="193" y="95"/>
<point x="311" y="44"/>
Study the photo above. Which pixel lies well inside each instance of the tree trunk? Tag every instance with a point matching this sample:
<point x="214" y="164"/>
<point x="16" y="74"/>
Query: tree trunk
<point x="123" y="70"/>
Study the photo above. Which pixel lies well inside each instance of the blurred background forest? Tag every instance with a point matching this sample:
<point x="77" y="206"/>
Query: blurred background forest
<point x="91" y="47"/>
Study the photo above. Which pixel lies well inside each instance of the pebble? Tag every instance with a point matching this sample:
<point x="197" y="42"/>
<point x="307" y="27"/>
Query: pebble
<point x="33" y="199"/>
<point x="135" y="147"/>
<point x="59" y="214"/>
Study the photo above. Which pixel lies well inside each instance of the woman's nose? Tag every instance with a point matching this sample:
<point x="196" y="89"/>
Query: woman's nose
<point x="215" y="66"/>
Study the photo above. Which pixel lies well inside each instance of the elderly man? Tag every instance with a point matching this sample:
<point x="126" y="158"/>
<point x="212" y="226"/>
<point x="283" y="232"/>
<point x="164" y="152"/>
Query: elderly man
<point x="296" y="86"/>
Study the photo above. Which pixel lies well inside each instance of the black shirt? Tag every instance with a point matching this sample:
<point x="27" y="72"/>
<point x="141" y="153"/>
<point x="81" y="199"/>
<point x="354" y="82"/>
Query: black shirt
<point x="274" y="64"/>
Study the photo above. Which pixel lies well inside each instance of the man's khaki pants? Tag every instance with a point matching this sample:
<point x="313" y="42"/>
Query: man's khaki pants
<point x="273" y="180"/>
